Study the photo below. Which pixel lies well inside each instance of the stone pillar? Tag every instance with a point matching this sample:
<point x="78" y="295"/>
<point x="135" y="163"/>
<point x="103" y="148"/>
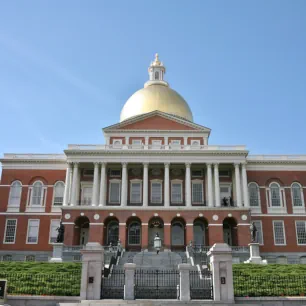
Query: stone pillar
<point x="95" y="189"/>
<point x="122" y="234"/>
<point x="184" y="281"/>
<point x="245" y="186"/>
<point x="74" y="191"/>
<point x="238" y="185"/>
<point x="222" y="272"/>
<point x="217" y="185"/>
<point x="145" y="184"/>
<point x="129" y="284"/>
<point x="57" y="255"/>
<point x="210" y="189"/>
<point x="167" y="186"/>
<point x="103" y="185"/>
<point x="92" y="265"/>
<point x="188" y="185"/>
<point x="67" y="185"/>
<point x="124" y="185"/>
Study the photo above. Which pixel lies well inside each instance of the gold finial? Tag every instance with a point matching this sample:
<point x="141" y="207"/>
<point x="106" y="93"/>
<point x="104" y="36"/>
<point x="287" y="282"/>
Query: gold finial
<point x="156" y="61"/>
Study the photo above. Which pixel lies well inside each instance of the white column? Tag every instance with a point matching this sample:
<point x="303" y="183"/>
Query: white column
<point x="74" y="184"/>
<point x="188" y="185"/>
<point x="145" y="184"/>
<point x="103" y="184"/>
<point x="124" y="185"/>
<point x="146" y="140"/>
<point x="127" y="140"/>
<point x="95" y="189"/>
<point x="238" y="185"/>
<point x="245" y="186"/>
<point x="185" y="141"/>
<point x="217" y="185"/>
<point x="67" y="185"/>
<point x="167" y="186"/>
<point x="210" y="189"/>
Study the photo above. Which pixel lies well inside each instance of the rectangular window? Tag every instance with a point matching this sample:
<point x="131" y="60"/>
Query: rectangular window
<point x="136" y="142"/>
<point x="301" y="232"/>
<point x="196" y="173"/>
<point x="33" y="230"/>
<point x="10" y="231"/>
<point x="259" y="232"/>
<point x="54" y="225"/>
<point x="135" y="192"/>
<point x="197" y="192"/>
<point x="279" y="233"/>
<point x="176" y="193"/>
<point x="156" y="192"/>
<point x="86" y="196"/>
<point x="114" y="192"/>
<point x="224" y="173"/>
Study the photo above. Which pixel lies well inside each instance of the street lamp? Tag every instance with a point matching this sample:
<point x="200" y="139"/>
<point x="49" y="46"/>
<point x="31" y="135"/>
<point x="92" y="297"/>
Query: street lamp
<point x="157" y="243"/>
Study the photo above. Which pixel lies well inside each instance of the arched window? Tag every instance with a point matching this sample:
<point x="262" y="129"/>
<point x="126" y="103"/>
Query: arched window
<point x="58" y="197"/>
<point x="254" y="195"/>
<point x="156" y="75"/>
<point x="275" y="195"/>
<point x="37" y="194"/>
<point x="113" y="233"/>
<point x="134" y="233"/>
<point x="296" y="193"/>
<point x="15" y="194"/>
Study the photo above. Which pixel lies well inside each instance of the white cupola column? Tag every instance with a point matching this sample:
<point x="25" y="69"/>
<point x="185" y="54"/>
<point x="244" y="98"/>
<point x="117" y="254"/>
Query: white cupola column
<point x="245" y="186"/>
<point x="124" y="185"/>
<point x="74" y="195"/>
<point x="145" y="183"/>
<point x="209" y="186"/>
<point x="167" y="185"/>
<point x="217" y="185"/>
<point x="238" y="185"/>
<point x="67" y="185"/>
<point x="103" y="184"/>
<point x="188" y="185"/>
<point x="95" y="189"/>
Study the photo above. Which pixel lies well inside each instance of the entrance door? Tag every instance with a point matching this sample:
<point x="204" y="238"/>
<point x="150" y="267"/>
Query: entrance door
<point x="199" y="233"/>
<point x="177" y="235"/>
<point x="156" y="226"/>
<point x="227" y="235"/>
<point x="84" y="236"/>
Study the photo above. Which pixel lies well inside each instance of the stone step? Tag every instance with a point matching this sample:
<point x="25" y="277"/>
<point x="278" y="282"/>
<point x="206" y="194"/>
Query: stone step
<point x="153" y="303"/>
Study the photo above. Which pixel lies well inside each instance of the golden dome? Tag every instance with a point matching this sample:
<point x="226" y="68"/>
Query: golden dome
<point x="156" y="96"/>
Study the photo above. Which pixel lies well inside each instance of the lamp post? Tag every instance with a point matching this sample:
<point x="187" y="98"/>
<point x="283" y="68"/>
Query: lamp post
<point x="157" y="243"/>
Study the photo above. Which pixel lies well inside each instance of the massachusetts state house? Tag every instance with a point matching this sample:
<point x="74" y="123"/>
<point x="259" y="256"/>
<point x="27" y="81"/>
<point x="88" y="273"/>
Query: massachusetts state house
<point x="156" y="173"/>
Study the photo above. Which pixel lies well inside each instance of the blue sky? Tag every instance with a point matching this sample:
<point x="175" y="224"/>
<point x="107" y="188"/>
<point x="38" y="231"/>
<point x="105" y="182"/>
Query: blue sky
<point x="67" y="68"/>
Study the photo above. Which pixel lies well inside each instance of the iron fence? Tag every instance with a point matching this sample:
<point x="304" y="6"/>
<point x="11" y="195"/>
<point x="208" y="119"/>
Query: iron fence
<point x="253" y="285"/>
<point x="60" y="283"/>
<point x="201" y="285"/>
<point x="156" y="284"/>
<point x="112" y="285"/>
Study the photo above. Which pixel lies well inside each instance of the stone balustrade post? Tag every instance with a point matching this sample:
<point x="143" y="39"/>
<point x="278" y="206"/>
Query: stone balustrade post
<point x="129" y="284"/>
<point x="184" y="270"/>
<point x="57" y="255"/>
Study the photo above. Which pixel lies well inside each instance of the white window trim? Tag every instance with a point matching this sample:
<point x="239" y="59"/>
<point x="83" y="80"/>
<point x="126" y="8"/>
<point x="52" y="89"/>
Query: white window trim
<point x="297" y="209"/>
<point x="54" y="193"/>
<point x="50" y="230"/>
<point x="29" y="221"/>
<point x="131" y="183"/>
<point x="117" y="145"/>
<point x="176" y="142"/>
<point x="285" y="241"/>
<point x="296" y="235"/>
<point x="109" y="189"/>
<point x="180" y="182"/>
<point x="6" y="229"/>
<point x="273" y="209"/>
<point x="255" y="209"/>
<point x="42" y="206"/>
<point x="197" y="181"/>
<point x="14" y="207"/>
<point x="262" y="232"/>
<point x="85" y="185"/>
<point x="161" y="191"/>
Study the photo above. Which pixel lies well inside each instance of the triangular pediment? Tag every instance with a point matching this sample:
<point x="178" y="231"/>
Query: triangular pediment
<point x="157" y="121"/>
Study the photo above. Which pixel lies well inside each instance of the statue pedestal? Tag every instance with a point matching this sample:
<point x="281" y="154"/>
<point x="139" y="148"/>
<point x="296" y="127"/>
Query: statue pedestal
<point x="255" y="257"/>
<point x="57" y="255"/>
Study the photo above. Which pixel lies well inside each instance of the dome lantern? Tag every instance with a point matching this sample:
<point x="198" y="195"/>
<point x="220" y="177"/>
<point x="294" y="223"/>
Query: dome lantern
<point x="156" y="71"/>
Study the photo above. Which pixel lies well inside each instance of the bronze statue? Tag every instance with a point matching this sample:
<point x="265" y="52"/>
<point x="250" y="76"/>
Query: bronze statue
<point x="253" y="231"/>
<point x="61" y="232"/>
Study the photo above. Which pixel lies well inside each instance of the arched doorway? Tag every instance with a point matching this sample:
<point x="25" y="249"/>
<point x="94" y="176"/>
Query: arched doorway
<point x="156" y="226"/>
<point x="230" y="231"/>
<point x="200" y="232"/>
<point x="178" y="234"/>
<point x="111" y="231"/>
<point x="133" y="234"/>
<point x="81" y="230"/>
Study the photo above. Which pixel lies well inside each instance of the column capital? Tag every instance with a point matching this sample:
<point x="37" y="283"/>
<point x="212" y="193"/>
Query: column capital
<point x="76" y="164"/>
<point x="69" y="164"/>
<point x="237" y="164"/>
<point x="243" y="164"/>
<point x="208" y="165"/>
<point x="145" y="164"/>
<point x="124" y="165"/>
<point x="96" y="164"/>
<point x="216" y="165"/>
<point x="103" y="164"/>
<point x="187" y="165"/>
<point x="167" y="165"/>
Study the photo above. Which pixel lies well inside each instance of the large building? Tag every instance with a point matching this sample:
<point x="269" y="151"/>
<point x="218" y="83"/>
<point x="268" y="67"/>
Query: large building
<point x="156" y="173"/>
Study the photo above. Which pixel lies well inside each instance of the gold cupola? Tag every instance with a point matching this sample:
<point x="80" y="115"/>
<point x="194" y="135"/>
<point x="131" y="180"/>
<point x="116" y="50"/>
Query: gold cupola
<point x="156" y="95"/>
